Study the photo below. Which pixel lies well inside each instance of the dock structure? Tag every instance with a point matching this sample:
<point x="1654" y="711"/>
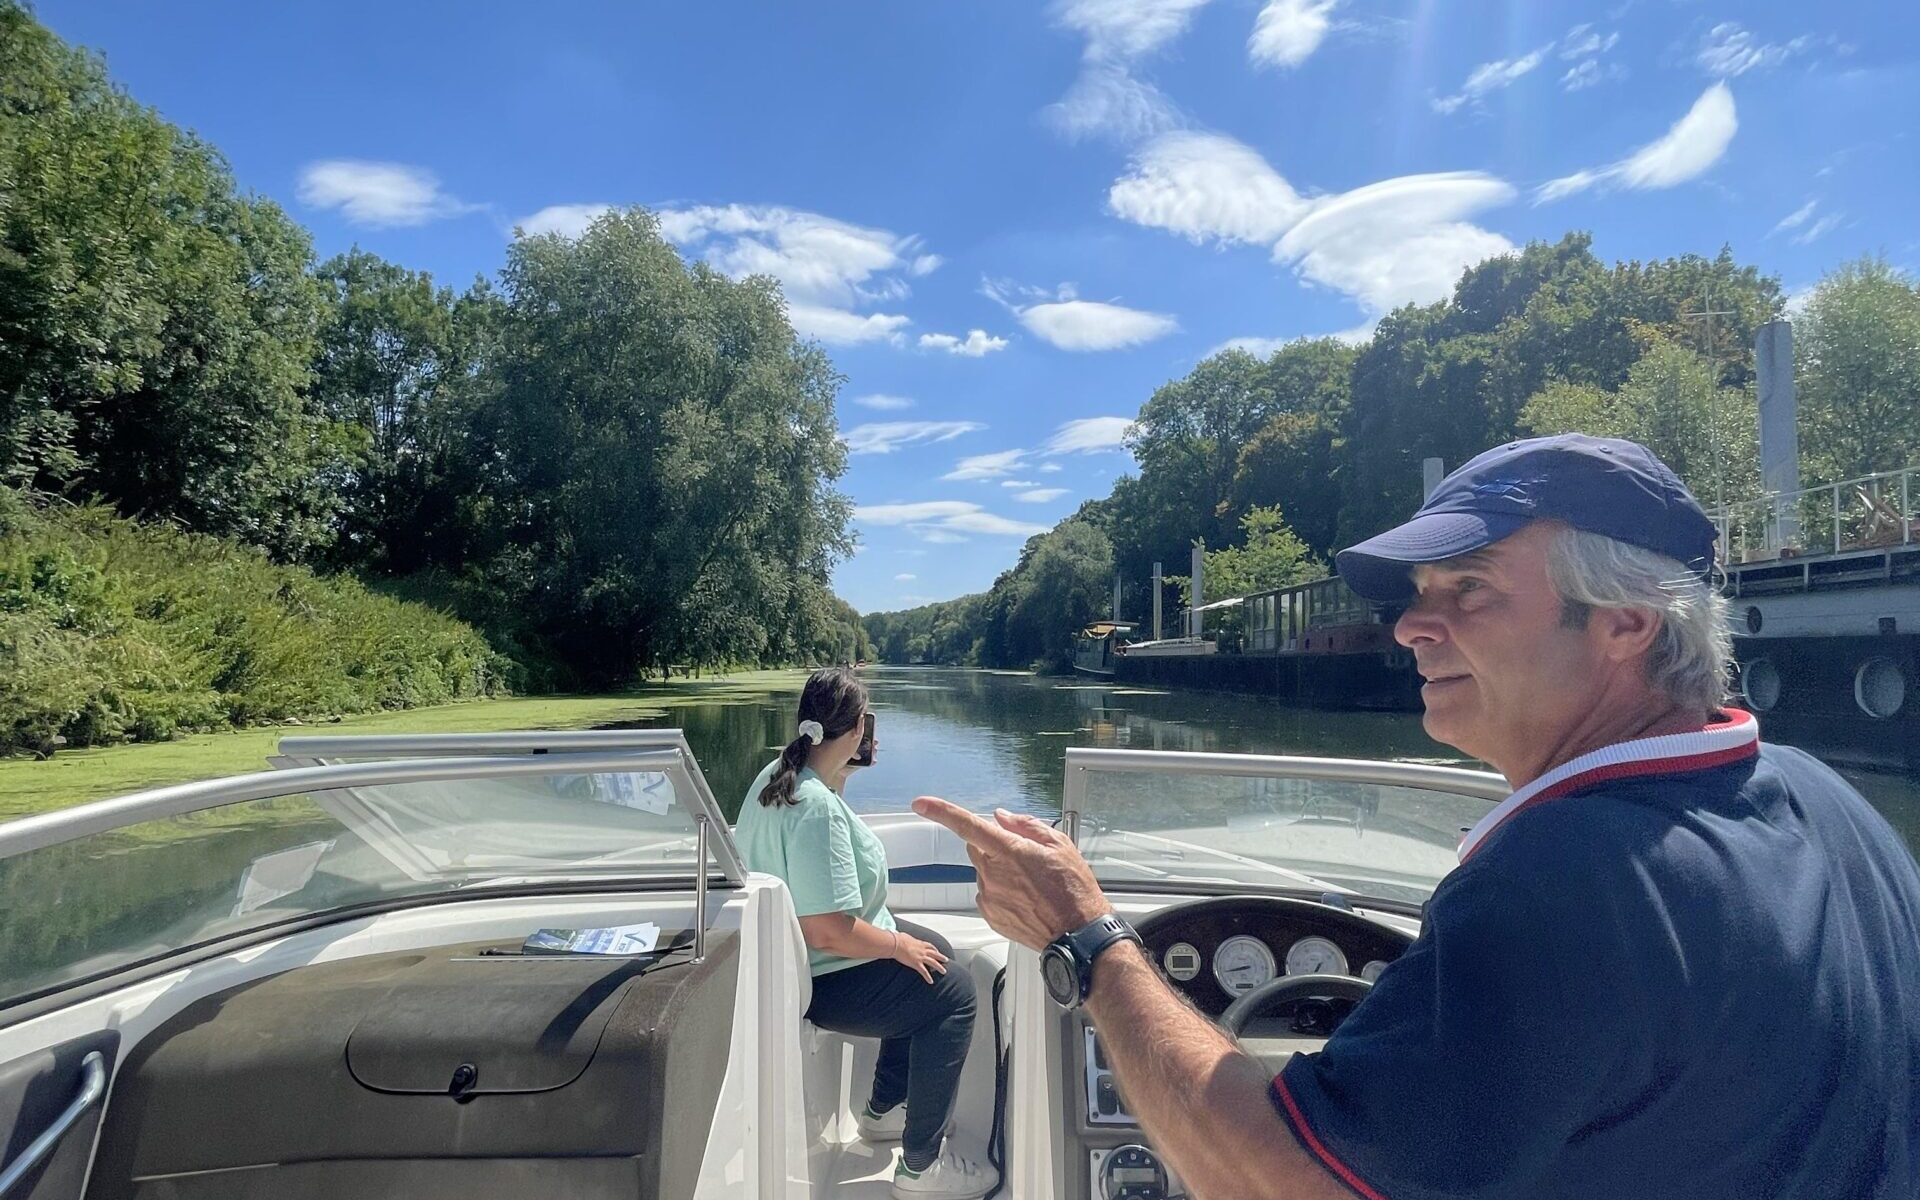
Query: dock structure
<point x="1823" y="584"/>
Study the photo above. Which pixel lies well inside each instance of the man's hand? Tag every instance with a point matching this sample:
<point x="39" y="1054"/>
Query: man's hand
<point x="1034" y="886"/>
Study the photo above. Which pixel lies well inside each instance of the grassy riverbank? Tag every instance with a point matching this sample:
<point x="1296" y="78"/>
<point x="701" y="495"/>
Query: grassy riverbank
<point x="78" y="776"/>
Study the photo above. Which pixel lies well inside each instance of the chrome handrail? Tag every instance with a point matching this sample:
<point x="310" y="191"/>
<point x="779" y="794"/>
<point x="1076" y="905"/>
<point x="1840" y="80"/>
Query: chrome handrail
<point x="93" y="1085"/>
<point x="70" y="824"/>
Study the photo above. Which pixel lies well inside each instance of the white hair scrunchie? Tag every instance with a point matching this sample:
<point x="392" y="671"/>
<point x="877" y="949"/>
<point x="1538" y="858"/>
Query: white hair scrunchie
<point x="813" y="731"/>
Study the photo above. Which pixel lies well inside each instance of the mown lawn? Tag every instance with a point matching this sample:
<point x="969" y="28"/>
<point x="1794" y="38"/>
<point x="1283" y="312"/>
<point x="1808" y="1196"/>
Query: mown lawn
<point x="78" y="776"/>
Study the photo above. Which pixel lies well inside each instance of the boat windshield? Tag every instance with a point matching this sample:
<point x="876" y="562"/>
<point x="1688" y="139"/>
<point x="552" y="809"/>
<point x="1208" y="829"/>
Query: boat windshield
<point x="137" y="879"/>
<point x="1381" y="831"/>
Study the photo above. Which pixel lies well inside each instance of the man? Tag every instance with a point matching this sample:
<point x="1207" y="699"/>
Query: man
<point x="1676" y="962"/>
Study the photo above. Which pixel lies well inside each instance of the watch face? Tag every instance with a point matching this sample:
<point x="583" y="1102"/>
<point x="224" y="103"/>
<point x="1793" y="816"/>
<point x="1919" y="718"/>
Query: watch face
<point x="1059" y="974"/>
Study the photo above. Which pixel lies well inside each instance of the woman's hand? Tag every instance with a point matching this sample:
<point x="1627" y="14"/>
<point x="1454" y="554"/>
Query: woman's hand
<point x="924" y="957"/>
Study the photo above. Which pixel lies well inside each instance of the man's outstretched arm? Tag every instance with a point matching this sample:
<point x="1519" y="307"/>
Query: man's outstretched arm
<point x="1201" y="1102"/>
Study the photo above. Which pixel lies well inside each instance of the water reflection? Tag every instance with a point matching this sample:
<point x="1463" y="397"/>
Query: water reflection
<point x="986" y="738"/>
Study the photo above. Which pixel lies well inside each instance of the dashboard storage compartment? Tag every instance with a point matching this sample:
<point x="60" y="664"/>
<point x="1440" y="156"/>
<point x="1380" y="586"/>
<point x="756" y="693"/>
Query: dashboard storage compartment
<point x="429" y="1074"/>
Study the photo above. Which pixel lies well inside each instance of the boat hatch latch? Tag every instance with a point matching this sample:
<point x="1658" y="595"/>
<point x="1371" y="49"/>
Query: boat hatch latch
<point x="461" y="1086"/>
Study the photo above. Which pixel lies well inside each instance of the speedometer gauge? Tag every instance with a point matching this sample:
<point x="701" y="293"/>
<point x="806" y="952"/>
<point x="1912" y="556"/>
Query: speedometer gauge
<point x="1315" y="956"/>
<point x="1243" y="963"/>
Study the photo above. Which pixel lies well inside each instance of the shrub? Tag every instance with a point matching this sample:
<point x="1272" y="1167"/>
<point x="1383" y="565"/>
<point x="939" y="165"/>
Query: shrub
<point x="111" y="630"/>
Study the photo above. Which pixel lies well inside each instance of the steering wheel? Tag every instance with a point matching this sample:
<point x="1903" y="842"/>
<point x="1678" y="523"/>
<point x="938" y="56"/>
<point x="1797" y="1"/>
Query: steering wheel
<point x="1286" y="989"/>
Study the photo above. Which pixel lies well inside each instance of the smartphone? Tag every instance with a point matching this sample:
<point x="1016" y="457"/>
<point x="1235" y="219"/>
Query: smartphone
<point x="864" y="758"/>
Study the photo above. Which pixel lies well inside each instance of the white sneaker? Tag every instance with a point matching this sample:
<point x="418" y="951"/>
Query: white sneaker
<point x="952" y="1176"/>
<point x="887" y="1127"/>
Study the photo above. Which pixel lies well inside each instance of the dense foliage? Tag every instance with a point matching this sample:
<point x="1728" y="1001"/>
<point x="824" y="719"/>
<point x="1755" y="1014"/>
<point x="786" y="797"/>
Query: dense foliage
<point x="608" y="461"/>
<point x="113" y="629"/>
<point x="1546" y="340"/>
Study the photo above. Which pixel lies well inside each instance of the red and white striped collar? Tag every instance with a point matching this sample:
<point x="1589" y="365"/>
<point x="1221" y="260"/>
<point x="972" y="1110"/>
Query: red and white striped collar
<point x="1733" y="737"/>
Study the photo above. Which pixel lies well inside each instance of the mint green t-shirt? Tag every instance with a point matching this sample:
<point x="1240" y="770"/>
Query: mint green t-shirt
<point x="831" y="862"/>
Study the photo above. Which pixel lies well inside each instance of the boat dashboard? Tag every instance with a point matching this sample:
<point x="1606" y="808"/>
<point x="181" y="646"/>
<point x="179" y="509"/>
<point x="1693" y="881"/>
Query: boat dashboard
<point x="1213" y="951"/>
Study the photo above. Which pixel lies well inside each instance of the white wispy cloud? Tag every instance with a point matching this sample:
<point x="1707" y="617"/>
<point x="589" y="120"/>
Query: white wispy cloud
<point x="1591" y="74"/>
<point x="567" y="220"/>
<point x="1687" y="150"/>
<point x="1819" y="229"/>
<point x="997" y="465"/>
<point x="883" y="403"/>
<point x="905" y="577"/>
<point x="1795" y="219"/>
<point x="1019" y="483"/>
<point x="1287" y="32"/>
<point x="1040" y="495"/>
<point x="1050" y="468"/>
<point x="978" y="343"/>
<point x="1491" y="77"/>
<point x="1094" y="325"/>
<point x="1729" y="50"/>
<point x="1089" y="435"/>
<point x="1063" y="320"/>
<point x="1126" y="28"/>
<point x="378" y="194"/>
<point x="1263" y="347"/>
<point x="827" y="268"/>
<point x="944" y="521"/>
<point x="838" y="327"/>
<point x="1389" y="243"/>
<point x="1108" y="98"/>
<point x="1583" y="41"/>
<point x="884" y="437"/>
<point x="1206" y="186"/>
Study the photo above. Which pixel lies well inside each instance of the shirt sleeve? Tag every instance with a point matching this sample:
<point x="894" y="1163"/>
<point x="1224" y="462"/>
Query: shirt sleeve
<point x="1474" y="1060"/>
<point x="820" y="867"/>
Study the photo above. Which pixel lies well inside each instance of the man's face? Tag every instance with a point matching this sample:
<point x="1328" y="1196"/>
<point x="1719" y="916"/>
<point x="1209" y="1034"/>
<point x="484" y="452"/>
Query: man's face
<point x="1506" y="680"/>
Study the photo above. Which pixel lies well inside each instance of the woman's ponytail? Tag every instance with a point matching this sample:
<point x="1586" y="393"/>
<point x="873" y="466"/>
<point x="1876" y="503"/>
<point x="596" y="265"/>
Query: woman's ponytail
<point x="779" y="789"/>
<point x="832" y="703"/>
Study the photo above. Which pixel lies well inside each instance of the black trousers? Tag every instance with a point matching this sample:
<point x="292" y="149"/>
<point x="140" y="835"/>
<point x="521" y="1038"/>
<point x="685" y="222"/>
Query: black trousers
<point x="923" y="1030"/>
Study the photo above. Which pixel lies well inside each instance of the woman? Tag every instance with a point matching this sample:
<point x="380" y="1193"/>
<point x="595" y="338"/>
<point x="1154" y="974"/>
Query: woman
<point x="873" y="975"/>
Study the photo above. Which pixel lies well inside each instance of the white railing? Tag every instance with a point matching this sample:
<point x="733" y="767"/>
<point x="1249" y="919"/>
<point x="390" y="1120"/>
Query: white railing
<point x="1870" y="512"/>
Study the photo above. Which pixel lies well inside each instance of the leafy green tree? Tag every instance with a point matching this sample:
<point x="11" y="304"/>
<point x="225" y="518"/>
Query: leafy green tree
<point x="660" y="453"/>
<point x="1857" y="352"/>
<point x="1293" y="462"/>
<point x="1672" y="404"/>
<point x="1065" y="580"/>
<point x="1272" y="556"/>
<point x="156" y="327"/>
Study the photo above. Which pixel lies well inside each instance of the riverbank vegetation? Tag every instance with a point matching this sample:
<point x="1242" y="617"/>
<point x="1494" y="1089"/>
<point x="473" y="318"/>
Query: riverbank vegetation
<point x="1331" y="436"/>
<point x="606" y="461"/>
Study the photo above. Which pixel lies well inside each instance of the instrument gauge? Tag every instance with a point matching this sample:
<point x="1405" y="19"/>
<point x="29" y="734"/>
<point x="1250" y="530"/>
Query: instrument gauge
<point x="1371" y="972"/>
<point x="1315" y="956"/>
<point x="1182" y="962"/>
<point x="1243" y="963"/>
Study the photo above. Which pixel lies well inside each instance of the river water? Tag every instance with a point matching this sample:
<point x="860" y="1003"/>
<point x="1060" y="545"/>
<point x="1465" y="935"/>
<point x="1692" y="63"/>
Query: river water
<point x="987" y="738"/>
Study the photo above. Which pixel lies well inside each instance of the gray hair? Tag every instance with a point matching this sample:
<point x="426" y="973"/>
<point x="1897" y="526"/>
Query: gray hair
<point x="1691" y="655"/>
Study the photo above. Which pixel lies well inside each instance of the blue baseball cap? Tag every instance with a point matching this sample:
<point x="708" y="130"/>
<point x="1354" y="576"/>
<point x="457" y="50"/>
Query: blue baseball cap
<point x="1615" y="488"/>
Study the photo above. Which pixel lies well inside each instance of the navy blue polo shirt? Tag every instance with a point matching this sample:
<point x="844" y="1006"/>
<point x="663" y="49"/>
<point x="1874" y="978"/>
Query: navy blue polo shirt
<point x="1682" y="967"/>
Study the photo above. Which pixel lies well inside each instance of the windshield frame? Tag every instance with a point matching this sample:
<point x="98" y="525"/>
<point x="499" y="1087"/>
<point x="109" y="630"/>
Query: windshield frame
<point x="723" y="868"/>
<point x="1083" y="762"/>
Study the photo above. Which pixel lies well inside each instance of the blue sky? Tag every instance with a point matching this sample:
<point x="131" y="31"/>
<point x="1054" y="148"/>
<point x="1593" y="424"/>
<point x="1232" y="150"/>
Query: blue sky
<point x="1010" y="222"/>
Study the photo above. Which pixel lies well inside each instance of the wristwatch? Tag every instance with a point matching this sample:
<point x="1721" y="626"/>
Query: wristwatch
<point x="1067" y="963"/>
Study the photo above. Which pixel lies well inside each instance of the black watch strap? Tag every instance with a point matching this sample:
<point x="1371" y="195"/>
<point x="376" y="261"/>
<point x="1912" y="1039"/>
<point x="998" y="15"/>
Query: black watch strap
<point x="1093" y="939"/>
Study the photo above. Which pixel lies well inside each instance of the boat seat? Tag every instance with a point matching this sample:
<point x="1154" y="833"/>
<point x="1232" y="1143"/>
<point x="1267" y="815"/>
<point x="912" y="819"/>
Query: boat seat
<point x="838" y="1069"/>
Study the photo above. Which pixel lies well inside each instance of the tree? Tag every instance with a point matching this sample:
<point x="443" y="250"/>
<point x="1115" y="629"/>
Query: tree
<point x="1670" y="403"/>
<point x="1293" y="461"/>
<point x="1857" y="358"/>
<point x="155" y="326"/>
<point x="659" y="452"/>
<point x="1065" y="580"/>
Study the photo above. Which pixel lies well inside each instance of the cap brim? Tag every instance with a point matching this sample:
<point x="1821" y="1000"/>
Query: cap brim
<point x="1380" y="568"/>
